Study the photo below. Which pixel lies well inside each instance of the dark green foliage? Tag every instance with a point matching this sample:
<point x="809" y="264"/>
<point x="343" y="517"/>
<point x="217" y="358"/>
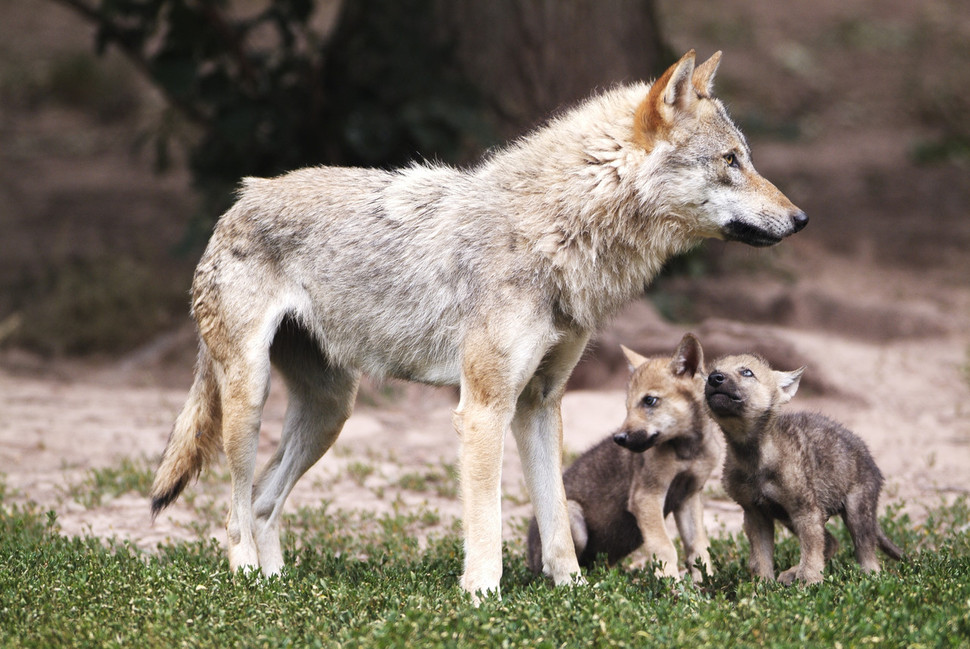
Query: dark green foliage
<point x="270" y="93"/>
<point x="360" y="580"/>
<point x="107" y="303"/>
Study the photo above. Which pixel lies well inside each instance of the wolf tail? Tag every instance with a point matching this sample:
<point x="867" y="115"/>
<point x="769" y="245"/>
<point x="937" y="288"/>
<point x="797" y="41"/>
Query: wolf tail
<point x="891" y="549"/>
<point x="195" y="438"/>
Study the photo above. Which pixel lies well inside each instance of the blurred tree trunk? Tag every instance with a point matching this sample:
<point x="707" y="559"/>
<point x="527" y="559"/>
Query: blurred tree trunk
<point x="529" y="57"/>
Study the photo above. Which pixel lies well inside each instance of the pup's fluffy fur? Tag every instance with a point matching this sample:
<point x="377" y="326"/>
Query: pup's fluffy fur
<point x="621" y="490"/>
<point x="797" y="468"/>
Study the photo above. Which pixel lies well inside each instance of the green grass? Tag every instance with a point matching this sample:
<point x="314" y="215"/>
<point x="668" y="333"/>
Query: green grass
<point x="362" y="580"/>
<point x="129" y="475"/>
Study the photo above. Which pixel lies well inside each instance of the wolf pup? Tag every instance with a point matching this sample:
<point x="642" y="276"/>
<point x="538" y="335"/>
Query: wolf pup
<point x="618" y="500"/>
<point x="797" y="468"/>
<point x="491" y="278"/>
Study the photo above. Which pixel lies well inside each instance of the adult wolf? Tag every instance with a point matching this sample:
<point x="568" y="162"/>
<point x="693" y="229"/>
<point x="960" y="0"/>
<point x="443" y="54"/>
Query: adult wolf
<point x="490" y="278"/>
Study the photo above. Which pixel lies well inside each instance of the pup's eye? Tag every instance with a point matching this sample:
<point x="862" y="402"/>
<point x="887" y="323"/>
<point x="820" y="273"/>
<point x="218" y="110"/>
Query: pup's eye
<point x="650" y="401"/>
<point x="745" y="372"/>
<point x="732" y="160"/>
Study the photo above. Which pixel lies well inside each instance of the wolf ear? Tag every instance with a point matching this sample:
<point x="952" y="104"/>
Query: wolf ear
<point x="671" y="93"/>
<point x="633" y="359"/>
<point x="788" y="383"/>
<point x="689" y="357"/>
<point x="703" y="77"/>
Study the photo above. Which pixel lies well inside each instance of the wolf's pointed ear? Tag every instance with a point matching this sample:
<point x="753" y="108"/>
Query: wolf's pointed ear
<point x="788" y="383"/>
<point x="703" y="78"/>
<point x="672" y="92"/>
<point x="633" y="359"/>
<point x="689" y="357"/>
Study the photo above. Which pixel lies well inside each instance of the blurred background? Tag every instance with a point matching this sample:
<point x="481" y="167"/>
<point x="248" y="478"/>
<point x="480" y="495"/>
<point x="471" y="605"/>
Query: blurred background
<point x="125" y="125"/>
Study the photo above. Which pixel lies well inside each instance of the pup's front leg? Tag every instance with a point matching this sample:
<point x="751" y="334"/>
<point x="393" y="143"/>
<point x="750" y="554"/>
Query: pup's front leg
<point x="760" y="530"/>
<point x="810" y="529"/>
<point x="657" y="545"/>
<point x="693" y="534"/>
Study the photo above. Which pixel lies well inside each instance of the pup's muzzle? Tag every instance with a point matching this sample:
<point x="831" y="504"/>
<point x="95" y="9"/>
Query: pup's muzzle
<point x="635" y="440"/>
<point x="720" y="395"/>
<point x="716" y="379"/>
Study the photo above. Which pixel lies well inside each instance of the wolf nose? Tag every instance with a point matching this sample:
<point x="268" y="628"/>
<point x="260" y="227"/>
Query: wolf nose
<point x="715" y="379"/>
<point x="620" y="438"/>
<point x="799" y="220"/>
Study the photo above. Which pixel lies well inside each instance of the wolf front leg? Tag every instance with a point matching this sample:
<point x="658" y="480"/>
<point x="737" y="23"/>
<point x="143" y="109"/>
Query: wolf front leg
<point x="482" y="430"/>
<point x="537" y="428"/>
<point x="483" y="416"/>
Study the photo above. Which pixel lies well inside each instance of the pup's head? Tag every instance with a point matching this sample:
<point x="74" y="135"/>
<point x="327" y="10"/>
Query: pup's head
<point x="663" y="397"/>
<point x="742" y="390"/>
<point x="704" y="166"/>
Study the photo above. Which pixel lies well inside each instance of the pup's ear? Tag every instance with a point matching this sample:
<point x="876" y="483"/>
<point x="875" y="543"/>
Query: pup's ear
<point x="633" y="359"/>
<point x="689" y="357"/>
<point x="788" y="383"/>
<point x="672" y="92"/>
<point x="703" y="78"/>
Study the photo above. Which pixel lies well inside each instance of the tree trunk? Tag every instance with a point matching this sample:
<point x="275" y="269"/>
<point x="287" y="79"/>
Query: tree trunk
<point x="529" y="57"/>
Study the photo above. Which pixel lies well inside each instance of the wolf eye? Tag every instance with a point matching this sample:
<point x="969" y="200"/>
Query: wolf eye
<point x="650" y="401"/>
<point x="745" y="372"/>
<point x="732" y="160"/>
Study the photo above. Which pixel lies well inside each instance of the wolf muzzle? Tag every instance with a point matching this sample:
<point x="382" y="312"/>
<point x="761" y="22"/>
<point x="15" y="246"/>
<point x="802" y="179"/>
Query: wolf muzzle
<point x="753" y="235"/>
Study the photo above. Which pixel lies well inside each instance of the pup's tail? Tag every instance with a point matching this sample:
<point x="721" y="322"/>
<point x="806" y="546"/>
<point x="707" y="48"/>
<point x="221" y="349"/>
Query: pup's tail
<point x="195" y="438"/>
<point x="891" y="549"/>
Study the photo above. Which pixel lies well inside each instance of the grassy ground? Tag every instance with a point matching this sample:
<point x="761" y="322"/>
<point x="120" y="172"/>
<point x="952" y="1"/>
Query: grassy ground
<point x="360" y="580"/>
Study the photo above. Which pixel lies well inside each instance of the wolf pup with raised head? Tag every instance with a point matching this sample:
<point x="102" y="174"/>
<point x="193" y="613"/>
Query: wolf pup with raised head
<point x="797" y="468"/>
<point x="491" y="278"/>
<point x="618" y="499"/>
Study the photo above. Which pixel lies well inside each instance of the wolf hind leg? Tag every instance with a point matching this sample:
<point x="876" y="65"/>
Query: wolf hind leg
<point x="320" y="400"/>
<point x="244" y="388"/>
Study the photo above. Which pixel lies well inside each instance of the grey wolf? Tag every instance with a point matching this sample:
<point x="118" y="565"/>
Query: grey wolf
<point x="620" y="491"/>
<point x="798" y="468"/>
<point x="490" y="278"/>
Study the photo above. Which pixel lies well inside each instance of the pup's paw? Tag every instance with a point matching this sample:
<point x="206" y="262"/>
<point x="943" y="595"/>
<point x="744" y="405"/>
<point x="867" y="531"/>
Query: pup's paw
<point x="787" y="578"/>
<point x="804" y="577"/>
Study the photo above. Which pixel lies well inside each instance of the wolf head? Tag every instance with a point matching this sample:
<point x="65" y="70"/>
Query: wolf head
<point x="709" y="179"/>
<point x="742" y="391"/>
<point x="663" y="397"/>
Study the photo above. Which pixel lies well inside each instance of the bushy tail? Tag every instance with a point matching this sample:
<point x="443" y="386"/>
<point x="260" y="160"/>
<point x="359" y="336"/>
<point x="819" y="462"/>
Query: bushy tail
<point x="891" y="549"/>
<point x="195" y="438"/>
